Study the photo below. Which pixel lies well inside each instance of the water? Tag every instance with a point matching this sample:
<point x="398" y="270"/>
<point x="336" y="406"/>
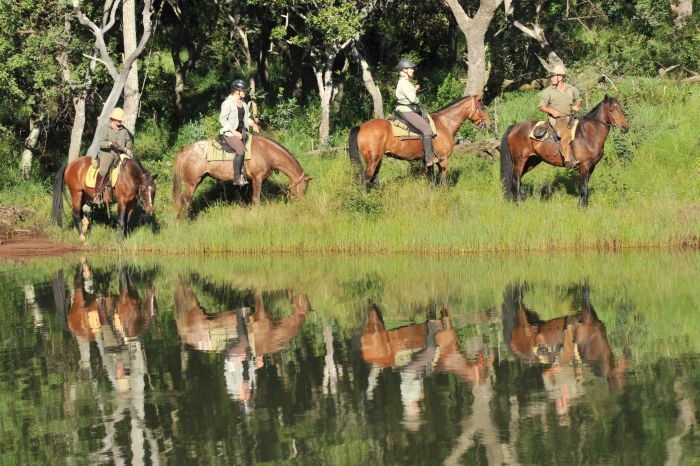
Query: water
<point x="522" y="360"/>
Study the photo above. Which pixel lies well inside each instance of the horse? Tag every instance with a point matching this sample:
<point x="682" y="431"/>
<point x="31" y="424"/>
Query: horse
<point x="373" y="139"/>
<point x="134" y="186"/>
<point x="191" y="166"/>
<point x="520" y="153"/>
<point x="563" y="340"/>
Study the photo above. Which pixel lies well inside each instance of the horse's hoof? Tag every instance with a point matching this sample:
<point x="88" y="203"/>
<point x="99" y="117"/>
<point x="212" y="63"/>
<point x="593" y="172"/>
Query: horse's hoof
<point x="82" y="239"/>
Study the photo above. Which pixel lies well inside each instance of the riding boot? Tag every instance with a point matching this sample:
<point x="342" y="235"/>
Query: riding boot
<point x="238" y="178"/>
<point x="99" y="188"/>
<point x="429" y="155"/>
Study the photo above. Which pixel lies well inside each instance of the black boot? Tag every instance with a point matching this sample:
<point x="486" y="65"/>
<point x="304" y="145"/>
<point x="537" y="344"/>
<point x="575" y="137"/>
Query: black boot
<point x="238" y="178"/>
<point x="430" y="158"/>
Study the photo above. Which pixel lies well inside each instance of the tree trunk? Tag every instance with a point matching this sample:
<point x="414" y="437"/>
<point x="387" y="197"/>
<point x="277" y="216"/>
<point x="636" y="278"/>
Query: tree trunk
<point x="681" y="10"/>
<point x="131" y="87"/>
<point x="537" y="33"/>
<point x="368" y="80"/>
<point x="474" y="30"/>
<point x="25" y="163"/>
<point x="324" y="79"/>
<point x="264" y="44"/>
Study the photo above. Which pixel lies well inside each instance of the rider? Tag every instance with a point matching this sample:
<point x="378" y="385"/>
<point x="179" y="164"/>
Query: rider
<point x="409" y="110"/>
<point x="560" y="101"/>
<point x="235" y="120"/>
<point x="115" y="139"/>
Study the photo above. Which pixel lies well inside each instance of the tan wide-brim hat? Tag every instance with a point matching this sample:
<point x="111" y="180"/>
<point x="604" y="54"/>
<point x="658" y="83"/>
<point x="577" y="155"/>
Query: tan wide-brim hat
<point x="557" y="70"/>
<point x="117" y="114"/>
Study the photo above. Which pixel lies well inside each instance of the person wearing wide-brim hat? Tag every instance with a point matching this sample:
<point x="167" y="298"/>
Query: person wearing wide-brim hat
<point x="115" y="139"/>
<point x="559" y="101"/>
<point x="408" y="110"/>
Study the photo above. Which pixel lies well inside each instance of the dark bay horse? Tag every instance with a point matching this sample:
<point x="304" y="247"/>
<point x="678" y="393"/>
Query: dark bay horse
<point x="373" y="139"/>
<point x="520" y="153"/>
<point x="191" y="166"/>
<point x="133" y="187"/>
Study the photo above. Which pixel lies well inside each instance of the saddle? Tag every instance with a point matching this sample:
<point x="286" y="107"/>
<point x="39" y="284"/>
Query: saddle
<point x="543" y="131"/>
<point x="112" y="174"/>
<point x="218" y="149"/>
<point x="402" y="130"/>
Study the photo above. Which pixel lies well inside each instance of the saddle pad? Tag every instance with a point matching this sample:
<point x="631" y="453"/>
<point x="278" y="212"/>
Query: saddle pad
<point x="91" y="175"/>
<point x="545" y="138"/>
<point x="216" y="153"/>
<point x="400" y="130"/>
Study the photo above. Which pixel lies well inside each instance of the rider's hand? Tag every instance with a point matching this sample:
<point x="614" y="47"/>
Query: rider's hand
<point x="238" y="134"/>
<point x="575" y="109"/>
<point x="417" y="87"/>
<point x="555" y="113"/>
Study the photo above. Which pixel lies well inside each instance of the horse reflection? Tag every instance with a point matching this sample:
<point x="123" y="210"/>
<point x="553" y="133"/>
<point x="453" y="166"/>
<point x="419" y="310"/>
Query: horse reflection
<point x="243" y="336"/>
<point x="561" y="343"/>
<point x="114" y="323"/>
<point x="418" y="350"/>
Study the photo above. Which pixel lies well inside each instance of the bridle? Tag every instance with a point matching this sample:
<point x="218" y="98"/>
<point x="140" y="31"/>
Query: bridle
<point x="295" y="183"/>
<point x="141" y="203"/>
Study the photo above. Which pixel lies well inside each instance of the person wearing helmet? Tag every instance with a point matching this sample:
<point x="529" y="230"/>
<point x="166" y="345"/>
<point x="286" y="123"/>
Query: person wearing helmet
<point x="408" y="110"/>
<point x="559" y="101"/>
<point x="235" y="120"/>
<point x="115" y="139"/>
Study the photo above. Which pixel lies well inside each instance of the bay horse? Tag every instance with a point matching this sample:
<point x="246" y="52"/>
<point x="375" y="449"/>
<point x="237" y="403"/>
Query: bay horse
<point x="373" y="139"/>
<point x="520" y="153"/>
<point x="134" y="187"/>
<point x="191" y="166"/>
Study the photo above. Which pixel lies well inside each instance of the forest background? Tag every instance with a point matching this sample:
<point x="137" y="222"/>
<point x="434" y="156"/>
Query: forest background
<point x="317" y="68"/>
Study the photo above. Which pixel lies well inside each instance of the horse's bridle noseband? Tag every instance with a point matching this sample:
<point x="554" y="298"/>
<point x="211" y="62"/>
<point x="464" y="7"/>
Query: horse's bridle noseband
<point x="296" y="183"/>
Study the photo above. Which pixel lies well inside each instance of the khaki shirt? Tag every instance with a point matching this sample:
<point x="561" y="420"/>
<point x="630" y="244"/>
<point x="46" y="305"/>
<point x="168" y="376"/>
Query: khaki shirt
<point x="122" y="138"/>
<point x="405" y="95"/>
<point x="228" y="118"/>
<point x="560" y="101"/>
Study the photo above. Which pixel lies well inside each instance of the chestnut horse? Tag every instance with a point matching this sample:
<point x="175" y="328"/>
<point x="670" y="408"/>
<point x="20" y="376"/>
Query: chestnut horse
<point x="191" y="166"/>
<point x="134" y="186"/>
<point x="520" y="153"/>
<point x="375" y="138"/>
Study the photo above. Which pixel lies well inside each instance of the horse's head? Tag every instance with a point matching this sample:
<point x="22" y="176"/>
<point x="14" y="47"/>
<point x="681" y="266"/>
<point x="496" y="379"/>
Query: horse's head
<point x="480" y="117"/>
<point x="614" y="114"/>
<point x="299" y="186"/>
<point x="147" y="193"/>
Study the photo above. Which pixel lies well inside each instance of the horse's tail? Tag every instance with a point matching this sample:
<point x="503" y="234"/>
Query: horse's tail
<point x="354" y="150"/>
<point x="57" y="209"/>
<point x="177" y="180"/>
<point x="507" y="166"/>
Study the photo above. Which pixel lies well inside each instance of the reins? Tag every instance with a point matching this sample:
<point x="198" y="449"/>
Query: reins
<point x="468" y="117"/>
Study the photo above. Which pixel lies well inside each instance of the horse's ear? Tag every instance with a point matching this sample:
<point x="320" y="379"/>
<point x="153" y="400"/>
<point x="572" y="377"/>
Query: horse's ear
<point x="606" y="97"/>
<point x="479" y="97"/>
<point x="154" y="177"/>
<point x="308" y="178"/>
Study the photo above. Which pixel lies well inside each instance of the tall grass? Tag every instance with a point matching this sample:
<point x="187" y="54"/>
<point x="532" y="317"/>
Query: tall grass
<point x="644" y="194"/>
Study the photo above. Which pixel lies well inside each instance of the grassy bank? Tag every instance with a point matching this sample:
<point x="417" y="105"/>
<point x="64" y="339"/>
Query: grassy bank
<point x="644" y="194"/>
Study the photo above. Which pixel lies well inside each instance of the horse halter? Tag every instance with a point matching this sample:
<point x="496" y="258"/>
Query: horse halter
<point x="296" y="183"/>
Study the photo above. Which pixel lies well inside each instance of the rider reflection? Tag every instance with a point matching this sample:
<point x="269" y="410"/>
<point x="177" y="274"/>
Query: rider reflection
<point x="562" y="344"/>
<point x="417" y="350"/>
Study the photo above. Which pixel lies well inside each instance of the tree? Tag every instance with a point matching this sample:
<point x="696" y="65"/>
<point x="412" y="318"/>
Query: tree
<point x="536" y="32"/>
<point x="474" y="30"/>
<point x="119" y="78"/>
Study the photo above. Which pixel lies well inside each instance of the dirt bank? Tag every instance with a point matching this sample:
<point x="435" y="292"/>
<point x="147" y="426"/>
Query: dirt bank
<point x="23" y="247"/>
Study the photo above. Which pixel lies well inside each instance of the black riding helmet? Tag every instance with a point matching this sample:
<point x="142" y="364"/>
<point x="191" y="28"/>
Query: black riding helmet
<point x="239" y="85"/>
<point x="405" y="63"/>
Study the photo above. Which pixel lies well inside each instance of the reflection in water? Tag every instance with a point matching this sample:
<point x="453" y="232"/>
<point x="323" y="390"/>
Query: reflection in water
<point x="244" y="373"/>
<point x="562" y="344"/>
<point x="417" y="350"/>
<point x="243" y="336"/>
<point x="114" y="322"/>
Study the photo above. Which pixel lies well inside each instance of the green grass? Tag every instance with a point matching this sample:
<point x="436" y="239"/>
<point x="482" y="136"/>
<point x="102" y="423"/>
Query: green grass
<point x="644" y="194"/>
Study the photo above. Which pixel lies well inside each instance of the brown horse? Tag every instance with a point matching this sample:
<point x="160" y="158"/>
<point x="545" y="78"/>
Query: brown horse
<point x="520" y="153"/>
<point x="191" y="166"/>
<point x="375" y="138"/>
<point x="563" y="340"/>
<point x="134" y="186"/>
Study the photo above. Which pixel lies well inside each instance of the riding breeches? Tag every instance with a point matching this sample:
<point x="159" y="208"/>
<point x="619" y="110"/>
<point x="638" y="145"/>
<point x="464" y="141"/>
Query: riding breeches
<point x="238" y="145"/>
<point x="418" y="123"/>
<point x="106" y="159"/>
<point x="565" y="135"/>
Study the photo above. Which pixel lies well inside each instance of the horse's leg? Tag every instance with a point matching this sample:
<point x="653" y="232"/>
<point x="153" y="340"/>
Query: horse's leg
<point x="122" y="208"/>
<point x="76" y="207"/>
<point x="518" y="171"/>
<point x="442" y="165"/>
<point x="186" y="197"/>
<point x="257" y="189"/>
<point x="585" y="175"/>
<point x="371" y="171"/>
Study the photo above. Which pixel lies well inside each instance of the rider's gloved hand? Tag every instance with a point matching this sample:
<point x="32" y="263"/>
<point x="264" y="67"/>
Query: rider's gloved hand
<point x="95" y="162"/>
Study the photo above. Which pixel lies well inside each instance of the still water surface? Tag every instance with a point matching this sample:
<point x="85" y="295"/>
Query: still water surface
<point x="544" y="360"/>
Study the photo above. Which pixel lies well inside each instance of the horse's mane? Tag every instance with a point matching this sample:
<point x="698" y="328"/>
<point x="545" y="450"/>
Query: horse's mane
<point x="146" y="177"/>
<point x="594" y="111"/>
<point x="280" y="146"/>
<point x="452" y="103"/>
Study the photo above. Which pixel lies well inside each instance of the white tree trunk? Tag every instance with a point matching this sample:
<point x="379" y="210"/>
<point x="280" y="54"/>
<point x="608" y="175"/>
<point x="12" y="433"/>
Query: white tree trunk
<point x="25" y="163"/>
<point x="474" y="30"/>
<point x="681" y="10"/>
<point x="131" y="87"/>
<point x="368" y="80"/>
<point x="324" y="80"/>
<point x="536" y="33"/>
